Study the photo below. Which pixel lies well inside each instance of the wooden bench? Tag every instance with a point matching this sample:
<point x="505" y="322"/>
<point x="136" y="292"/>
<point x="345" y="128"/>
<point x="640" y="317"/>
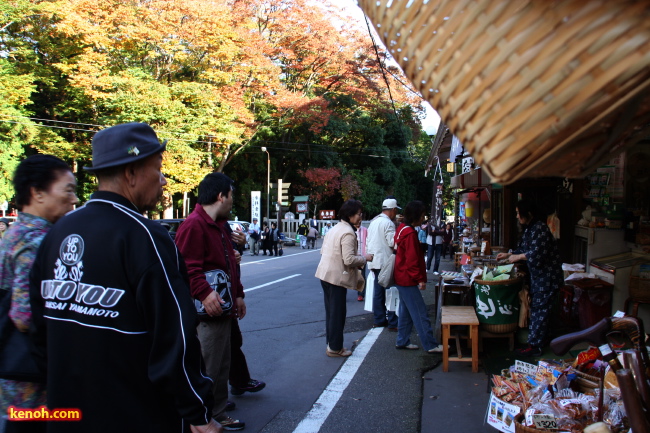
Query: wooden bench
<point x="453" y="316"/>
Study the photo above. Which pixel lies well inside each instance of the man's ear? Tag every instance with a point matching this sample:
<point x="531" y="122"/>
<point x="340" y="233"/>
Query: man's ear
<point x="130" y="174"/>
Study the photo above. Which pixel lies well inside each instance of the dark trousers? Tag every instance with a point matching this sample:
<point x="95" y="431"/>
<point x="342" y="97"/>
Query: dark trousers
<point x="274" y="247"/>
<point x="239" y="374"/>
<point x="312" y="242"/>
<point x="335" y="310"/>
<point x="381" y="315"/>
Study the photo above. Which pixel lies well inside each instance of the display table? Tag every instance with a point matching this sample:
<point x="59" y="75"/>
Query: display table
<point x="459" y="316"/>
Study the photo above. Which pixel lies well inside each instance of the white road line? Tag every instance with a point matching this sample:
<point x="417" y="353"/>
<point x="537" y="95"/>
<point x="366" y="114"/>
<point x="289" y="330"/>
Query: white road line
<point x="328" y="399"/>
<point x="277" y="258"/>
<point x="272" y="282"/>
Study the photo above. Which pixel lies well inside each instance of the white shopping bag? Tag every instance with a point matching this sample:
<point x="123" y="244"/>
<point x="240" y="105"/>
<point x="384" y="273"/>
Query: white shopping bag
<point x="392" y="299"/>
<point x="370" y="291"/>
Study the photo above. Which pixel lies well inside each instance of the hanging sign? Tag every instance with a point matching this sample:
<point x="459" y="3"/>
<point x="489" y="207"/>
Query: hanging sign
<point x="256" y="199"/>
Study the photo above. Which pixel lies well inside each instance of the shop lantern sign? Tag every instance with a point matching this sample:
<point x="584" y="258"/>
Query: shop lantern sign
<point x="327" y="214"/>
<point x="468" y="164"/>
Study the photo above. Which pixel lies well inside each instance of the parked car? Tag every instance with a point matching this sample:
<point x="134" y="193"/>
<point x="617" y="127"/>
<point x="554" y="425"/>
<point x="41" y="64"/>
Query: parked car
<point x="241" y="226"/>
<point x="171" y="225"/>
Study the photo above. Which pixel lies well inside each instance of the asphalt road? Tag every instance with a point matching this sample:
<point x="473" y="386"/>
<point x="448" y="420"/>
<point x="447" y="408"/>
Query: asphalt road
<point x="284" y="344"/>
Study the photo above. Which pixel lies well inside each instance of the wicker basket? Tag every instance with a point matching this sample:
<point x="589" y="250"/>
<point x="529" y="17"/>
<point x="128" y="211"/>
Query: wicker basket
<point x="520" y="428"/>
<point x="640" y="289"/>
<point x="531" y="88"/>
<point x="499" y="329"/>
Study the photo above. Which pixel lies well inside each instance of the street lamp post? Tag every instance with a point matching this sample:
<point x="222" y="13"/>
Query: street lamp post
<point x="268" y="186"/>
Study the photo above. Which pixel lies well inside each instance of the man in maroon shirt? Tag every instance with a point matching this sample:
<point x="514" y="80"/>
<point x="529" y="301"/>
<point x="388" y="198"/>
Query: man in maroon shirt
<point x="204" y="241"/>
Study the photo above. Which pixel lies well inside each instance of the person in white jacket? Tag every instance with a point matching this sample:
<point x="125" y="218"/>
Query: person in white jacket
<point x="380" y="242"/>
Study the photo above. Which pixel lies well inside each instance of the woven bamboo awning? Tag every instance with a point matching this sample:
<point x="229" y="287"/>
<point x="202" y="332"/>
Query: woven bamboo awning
<point x="531" y="88"/>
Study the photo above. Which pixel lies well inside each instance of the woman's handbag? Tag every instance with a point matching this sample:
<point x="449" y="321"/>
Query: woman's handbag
<point x="385" y="277"/>
<point x="280" y="251"/>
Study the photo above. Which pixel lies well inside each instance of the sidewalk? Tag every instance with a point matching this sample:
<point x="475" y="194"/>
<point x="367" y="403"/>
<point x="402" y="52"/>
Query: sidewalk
<point x="455" y="401"/>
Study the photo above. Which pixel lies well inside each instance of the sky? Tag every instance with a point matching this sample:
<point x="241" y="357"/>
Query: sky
<point x="431" y="120"/>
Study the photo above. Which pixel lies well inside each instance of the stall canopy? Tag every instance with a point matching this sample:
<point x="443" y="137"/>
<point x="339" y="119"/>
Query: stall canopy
<point x="531" y="88"/>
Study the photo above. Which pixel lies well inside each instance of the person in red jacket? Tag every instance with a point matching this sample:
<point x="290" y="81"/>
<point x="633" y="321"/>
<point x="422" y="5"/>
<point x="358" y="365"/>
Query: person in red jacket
<point x="411" y="277"/>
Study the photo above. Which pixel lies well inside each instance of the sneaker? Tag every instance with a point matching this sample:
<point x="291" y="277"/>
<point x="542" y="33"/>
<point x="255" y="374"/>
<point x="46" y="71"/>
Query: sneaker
<point x="438" y="349"/>
<point x="381" y="325"/>
<point x="230" y="405"/>
<point x="392" y="329"/>
<point x="529" y="352"/>
<point x="408" y="347"/>
<point x="360" y="298"/>
<point x="230" y="424"/>
<point x="252" y="386"/>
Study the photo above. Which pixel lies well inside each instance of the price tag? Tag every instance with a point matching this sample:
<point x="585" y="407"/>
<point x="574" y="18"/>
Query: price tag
<point x="525" y="368"/>
<point x="544" y="421"/>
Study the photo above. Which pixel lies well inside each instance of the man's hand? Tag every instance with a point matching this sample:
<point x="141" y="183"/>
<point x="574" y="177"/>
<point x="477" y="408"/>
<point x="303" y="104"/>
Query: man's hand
<point x="422" y="286"/>
<point x="241" y="307"/>
<point x="369" y="257"/>
<point x="212" y="304"/>
<point x="237" y="257"/>
<point x="238" y="237"/>
<point x="212" y="427"/>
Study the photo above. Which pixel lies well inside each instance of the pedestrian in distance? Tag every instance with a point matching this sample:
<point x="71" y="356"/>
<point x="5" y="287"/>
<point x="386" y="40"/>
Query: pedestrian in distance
<point x="274" y="238"/>
<point x="303" y="230"/>
<point x="112" y="319"/>
<point x="338" y="271"/>
<point x="312" y="234"/>
<point x="44" y="191"/>
<point x="254" y="237"/>
<point x="447" y="240"/>
<point x="264" y="239"/>
<point x="410" y="278"/>
<point x="204" y="242"/>
<point x="362" y="236"/>
<point x="4" y="225"/>
<point x="381" y="239"/>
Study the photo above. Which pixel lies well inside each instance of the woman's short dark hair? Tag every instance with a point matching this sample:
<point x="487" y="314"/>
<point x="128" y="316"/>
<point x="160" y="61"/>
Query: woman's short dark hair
<point x="413" y="212"/>
<point x="39" y="172"/>
<point x="527" y="209"/>
<point x="348" y="209"/>
<point x="212" y="185"/>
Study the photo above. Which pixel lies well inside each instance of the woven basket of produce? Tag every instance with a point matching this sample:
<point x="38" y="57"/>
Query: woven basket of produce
<point x="531" y="88"/>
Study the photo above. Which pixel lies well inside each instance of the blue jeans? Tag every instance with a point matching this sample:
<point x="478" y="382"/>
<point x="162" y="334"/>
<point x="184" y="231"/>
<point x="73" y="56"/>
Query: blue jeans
<point x="379" y="306"/>
<point x="413" y="311"/>
<point x="431" y="251"/>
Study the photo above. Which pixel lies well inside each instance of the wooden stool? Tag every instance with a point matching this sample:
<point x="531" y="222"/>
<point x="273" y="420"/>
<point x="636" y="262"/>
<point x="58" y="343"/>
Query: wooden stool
<point x="457" y="258"/>
<point x="459" y="316"/>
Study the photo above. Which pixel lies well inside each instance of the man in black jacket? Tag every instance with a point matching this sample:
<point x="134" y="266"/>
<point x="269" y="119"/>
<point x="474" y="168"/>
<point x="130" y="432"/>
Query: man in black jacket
<point x="113" y="318"/>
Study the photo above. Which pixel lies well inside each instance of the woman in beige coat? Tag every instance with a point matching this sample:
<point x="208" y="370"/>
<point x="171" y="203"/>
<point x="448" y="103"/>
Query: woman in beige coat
<point x="338" y="271"/>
